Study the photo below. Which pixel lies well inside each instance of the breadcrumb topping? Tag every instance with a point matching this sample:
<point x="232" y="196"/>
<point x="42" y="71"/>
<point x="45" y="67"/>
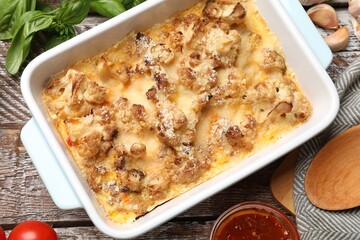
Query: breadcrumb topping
<point x="168" y="108"/>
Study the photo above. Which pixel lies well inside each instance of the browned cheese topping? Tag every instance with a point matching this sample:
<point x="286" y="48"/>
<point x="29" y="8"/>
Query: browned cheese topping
<point x="166" y="109"/>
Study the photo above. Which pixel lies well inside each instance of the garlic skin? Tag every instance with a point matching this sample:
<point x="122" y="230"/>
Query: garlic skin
<point x="356" y="27"/>
<point x="339" y="39"/>
<point x="354" y="8"/>
<point x="310" y="2"/>
<point x="324" y="16"/>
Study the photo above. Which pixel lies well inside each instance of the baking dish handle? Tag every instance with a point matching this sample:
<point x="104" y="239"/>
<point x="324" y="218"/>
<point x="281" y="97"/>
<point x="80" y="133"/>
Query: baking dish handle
<point x="308" y="31"/>
<point x="48" y="167"/>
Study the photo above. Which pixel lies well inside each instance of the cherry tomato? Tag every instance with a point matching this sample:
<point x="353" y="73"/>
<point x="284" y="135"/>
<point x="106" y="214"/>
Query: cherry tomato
<point x="2" y="234"/>
<point x="33" y="230"/>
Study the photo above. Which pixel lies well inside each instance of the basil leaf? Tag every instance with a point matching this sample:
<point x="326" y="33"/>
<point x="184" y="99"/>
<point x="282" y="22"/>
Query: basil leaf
<point x="127" y="3"/>
<point x="58" y="33"/>
<point x="37" y="23"/>
<point x="73" y="12"/>
<point x="64" y="2"/>
<point x="20" y="46"/>
<point x="10" y="13"/>
<point x="30" y="16"/>
<point x="137" y="2"/>
<point x="44" y="7"/>
<point x="54" y="40"/>
<point x="7" y="18"/>
<point x="62" y="29"/>
<point x="107" y="8"/>
<point x="131" y="3"/>
<point x="17" y="53"/>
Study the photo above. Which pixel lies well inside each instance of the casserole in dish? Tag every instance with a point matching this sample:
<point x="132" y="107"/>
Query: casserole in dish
<point x="293" y="48"/>
<point x="192" y="96"/>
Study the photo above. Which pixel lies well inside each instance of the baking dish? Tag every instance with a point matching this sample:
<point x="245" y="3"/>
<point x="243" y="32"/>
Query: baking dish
<point x="70" y="190"/>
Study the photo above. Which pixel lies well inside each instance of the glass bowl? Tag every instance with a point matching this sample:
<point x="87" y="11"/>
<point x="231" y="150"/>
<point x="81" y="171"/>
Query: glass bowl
<point x="254" y="220"/>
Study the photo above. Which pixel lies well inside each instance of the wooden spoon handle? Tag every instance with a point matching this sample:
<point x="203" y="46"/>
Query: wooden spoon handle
<point x="282" y="181"/>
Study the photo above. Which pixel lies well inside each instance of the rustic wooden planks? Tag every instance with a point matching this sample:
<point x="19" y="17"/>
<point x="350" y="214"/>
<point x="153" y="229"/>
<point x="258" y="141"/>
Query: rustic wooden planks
<point x="23" y="195"/>
<point x="173" y="230"/>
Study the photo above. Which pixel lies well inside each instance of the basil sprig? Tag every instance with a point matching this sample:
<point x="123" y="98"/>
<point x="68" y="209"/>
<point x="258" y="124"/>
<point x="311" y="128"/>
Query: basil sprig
<point x="107" y="8"/>
<point x="20" y="20"/>
<point x="73" y="12"/>
<point x="128" y="3"/>
<point x="20" y="46"/>
<point x="10" y="13"/>
<point x="58" y="21"/>
<point x="137" y="2"/>
<point x="112" y="8"/>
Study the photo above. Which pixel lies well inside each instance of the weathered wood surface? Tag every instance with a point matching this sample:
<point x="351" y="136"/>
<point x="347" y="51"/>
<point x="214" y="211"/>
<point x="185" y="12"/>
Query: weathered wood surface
<point x="23" y="195"/>
<point x="173" y="230"/>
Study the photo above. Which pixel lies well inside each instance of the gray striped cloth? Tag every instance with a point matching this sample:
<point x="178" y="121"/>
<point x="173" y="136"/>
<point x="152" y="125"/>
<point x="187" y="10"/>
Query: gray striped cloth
<point x="314" y="223"/>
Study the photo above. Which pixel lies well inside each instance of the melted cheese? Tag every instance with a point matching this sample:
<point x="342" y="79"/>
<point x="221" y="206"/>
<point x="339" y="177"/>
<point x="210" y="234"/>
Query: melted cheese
<point x="167" y="109"/>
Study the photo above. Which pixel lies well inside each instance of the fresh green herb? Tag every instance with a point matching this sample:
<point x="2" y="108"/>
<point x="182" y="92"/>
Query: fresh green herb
<point x="107" y="8"/>
<point x="57" y="34"/>
<point x="45" y="7"/>
<point x="10" y="13"/>
<point x="64" y="2"/>
<point x="137" y="2"/>
<point x="73" y="12"/>
<point x="127" y="3"/>
<point x="20" y="46"/>
<point x="19" y="21"/>
<point x="54" y="40"/>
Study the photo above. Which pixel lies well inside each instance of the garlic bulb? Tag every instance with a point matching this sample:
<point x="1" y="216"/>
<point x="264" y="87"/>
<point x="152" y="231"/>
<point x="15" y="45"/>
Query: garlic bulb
<point x="354" y="8"/>
<point x="310" y="2"/>
<point x="324" y="16"/>
<point x="356" y="27"/>
<point x="339" y="39"/>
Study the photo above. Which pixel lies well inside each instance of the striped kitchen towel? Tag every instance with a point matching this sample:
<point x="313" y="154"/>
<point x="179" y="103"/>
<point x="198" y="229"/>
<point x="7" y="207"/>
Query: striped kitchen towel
<point x="314" y="223"/>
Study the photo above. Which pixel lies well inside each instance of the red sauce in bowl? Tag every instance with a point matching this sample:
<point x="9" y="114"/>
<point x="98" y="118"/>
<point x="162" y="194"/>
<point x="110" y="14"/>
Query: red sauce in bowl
<point x="254" y="221"/>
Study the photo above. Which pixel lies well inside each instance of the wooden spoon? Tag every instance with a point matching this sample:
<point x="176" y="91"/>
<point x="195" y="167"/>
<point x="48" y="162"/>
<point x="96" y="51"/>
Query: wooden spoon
<point x="282" y="181"/>
<point x="332" y="181"/>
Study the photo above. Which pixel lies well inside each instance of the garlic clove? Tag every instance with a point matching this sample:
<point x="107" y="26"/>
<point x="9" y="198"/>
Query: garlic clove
<point x="324" y="16"/>
<point x="354" y="8"/>
<point x="310" y="2"/>
<point x="356" y="27"/>
<point x="339" y="39"/>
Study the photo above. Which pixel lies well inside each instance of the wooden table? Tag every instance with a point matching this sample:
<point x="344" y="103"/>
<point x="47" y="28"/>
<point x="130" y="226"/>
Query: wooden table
<point x="23" y="195"/>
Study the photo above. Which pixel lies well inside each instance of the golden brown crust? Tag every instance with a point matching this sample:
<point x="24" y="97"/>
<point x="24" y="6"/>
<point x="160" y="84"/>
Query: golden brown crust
<point x="171" y="107"/>
<point x="229" y="11"/>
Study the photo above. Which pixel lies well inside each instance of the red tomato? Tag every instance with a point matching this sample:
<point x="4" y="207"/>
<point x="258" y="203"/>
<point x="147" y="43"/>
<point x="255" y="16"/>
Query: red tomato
<point x="2" y="234"/>
<point x="33" y="230"/>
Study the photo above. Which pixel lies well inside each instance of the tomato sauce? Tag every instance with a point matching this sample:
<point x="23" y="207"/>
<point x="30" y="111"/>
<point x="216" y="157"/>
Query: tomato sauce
<point x="251" y="225"/>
